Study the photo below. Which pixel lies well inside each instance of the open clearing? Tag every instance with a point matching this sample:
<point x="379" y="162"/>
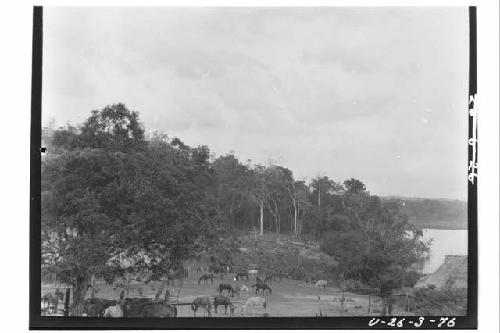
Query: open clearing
<point x="290" y="298"/>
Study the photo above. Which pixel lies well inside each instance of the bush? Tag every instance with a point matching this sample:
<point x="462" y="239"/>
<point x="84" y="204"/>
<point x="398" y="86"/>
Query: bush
<point x="430" y="301"/>
<point x="353" y="285"/>
<point x="290" y="263"/>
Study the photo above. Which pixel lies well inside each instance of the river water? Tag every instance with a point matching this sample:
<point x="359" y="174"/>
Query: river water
<point x="445" y="242"/>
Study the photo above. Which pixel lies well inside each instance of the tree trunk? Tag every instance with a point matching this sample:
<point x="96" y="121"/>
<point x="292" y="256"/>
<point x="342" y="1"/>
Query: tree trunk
<point x="231" y="210"/>
<point x="128" y="285"/>
<point x="275" y="213"/>
<point x="80" y="288"/>
<point x="295" y="218"/>
<point x="66" y="302"/>
<point x="92" y="286"/>
<point x="261" y="206"/>
<point x="160" y="291"/>
<point x="320" y="224"/>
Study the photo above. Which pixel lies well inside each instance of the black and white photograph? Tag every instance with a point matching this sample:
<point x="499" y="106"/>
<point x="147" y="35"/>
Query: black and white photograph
<point x="207" y="164"/>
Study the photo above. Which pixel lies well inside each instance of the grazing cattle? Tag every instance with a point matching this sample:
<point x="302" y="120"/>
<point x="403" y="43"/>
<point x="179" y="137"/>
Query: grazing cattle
<point x="240" y="275"/>
<point x="321" y="284"/>
<point x="52" y="300"/>
<point x="225" y="301"/>
<point x="205" y="277"/>
<point x="253" y="302"/>
<point x="226" y="286"/>
<point x="114" y="311"/>
<point x="201" y="302"/>
<point x="262" y="286"/>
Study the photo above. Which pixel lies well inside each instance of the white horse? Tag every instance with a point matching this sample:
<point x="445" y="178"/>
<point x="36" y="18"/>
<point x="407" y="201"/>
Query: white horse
<point x="321" y="283"/>
<point x="253" y="302"/>
<point x="114" y="311"/>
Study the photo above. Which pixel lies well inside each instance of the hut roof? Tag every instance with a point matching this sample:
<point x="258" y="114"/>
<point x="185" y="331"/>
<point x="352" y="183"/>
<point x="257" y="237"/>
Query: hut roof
<point x="452" y="273"/>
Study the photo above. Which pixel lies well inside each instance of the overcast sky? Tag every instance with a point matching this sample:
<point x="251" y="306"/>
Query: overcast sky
<point x="378" y="94"/>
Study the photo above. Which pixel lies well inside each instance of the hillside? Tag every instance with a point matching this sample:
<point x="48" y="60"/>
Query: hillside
<point x="433" y="213"/>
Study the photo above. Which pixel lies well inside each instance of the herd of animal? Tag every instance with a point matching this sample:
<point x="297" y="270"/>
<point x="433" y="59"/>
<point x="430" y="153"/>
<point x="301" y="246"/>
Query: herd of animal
<point x="146" y="307"/>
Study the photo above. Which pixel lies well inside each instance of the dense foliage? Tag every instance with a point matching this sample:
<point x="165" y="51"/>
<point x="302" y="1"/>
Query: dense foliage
<point x="430" y="301"/>
<point x="434" y="213"/>
<point x="116" y="202"/>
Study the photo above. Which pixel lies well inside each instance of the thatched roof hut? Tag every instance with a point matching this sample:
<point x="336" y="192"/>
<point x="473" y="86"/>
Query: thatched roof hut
<point x="451" y="274"/>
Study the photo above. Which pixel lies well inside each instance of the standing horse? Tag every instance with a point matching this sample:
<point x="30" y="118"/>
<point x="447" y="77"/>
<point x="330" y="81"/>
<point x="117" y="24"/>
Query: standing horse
<point x="268" y="278"/>
<point x="205" y="277"/>
<point x="262" y="286"/>
<point x="52" y="299"/>
<point x="226" y="286"/>
<point x="225" y="301"/>
<point x="321" y="284"/>
<point x="201" y="302"/>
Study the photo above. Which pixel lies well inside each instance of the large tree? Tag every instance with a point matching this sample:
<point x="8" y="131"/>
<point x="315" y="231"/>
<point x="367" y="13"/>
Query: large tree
<point x="130" y="199"/>
<point x="373" y="243"/>
<point x="277" y="178"/>
<point x="259" y="190"/>
<point x="322" y="190"/>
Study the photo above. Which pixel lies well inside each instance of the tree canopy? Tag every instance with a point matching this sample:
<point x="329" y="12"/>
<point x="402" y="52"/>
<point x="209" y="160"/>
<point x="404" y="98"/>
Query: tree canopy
<point x="115" y="202"/>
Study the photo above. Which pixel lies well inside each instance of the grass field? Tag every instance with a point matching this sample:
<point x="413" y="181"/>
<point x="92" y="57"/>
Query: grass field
<point x="290" y="298"/>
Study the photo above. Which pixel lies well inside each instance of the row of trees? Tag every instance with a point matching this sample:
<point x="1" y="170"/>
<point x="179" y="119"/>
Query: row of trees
<point x="108" y="192"/>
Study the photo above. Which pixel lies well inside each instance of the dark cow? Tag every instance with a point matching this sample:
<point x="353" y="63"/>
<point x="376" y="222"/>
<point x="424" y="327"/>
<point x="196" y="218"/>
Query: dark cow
<point x="225" y="301"/>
